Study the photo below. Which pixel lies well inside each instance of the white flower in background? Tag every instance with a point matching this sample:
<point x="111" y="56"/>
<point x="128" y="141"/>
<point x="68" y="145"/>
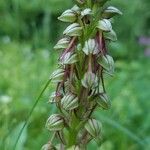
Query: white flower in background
<point x="5" y="99"/>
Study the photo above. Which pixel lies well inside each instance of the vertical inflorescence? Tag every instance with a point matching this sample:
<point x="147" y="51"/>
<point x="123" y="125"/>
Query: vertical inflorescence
<point x="80" y="74"/>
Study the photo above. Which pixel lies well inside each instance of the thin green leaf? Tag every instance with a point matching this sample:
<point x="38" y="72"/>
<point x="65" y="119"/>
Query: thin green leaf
<point x="30" y="113"/>
<point x="123" y="129"/>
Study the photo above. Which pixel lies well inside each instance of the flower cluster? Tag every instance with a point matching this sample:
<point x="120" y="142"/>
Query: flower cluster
<point x="80" y="74"/>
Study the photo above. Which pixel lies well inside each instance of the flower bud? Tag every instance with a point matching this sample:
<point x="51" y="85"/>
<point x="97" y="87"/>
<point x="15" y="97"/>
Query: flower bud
<point x="69" y="58"/>
<point x="48" y="146"/>
<point x="107" y="63"/>
<point x="73" y="30"/>
<point x="90" y="80"/>
<point x="55" y="122"/>
<point x="110" y="35"/>
<point x="103" y="101"/>
<point x="86" y="12"/>
<point x="57" y="76"/>
<point x="69" y="102"/>
<point x="90" y="47"/>
<point x="93" y="127"/>
<point x="68" y="16"/>
<point x="104" y="25"/>
<point x="97" y="90"/>
<point x="62" y="44"/>
<point x="70" y="87"/>
<point x="76" y="9"/>
<point x="55" y="97"/>
<point x="110" y="12"/>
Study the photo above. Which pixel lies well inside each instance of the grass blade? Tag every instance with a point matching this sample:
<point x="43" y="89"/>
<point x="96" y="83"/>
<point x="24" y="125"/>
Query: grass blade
<point x="126" y="131"/>
<point x="30" y="113"/>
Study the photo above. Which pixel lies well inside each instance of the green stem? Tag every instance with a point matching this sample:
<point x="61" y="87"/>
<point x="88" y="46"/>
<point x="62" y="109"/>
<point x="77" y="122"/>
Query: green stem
<point x="73" y="132"/>
<point x="90" y="63"/>
<point x="52" y="138"/>
<point x="89" y="3"/>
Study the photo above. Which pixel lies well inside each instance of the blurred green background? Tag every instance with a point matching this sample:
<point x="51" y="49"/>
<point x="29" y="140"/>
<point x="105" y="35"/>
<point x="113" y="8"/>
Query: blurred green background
<point x="29" y="30"/>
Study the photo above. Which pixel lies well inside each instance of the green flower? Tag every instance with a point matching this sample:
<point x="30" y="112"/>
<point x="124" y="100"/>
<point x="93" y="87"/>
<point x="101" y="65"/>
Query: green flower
<point x="55" y="122"/>
<point x="69" y="102"/>
<point x="93" y="127"/>
<point x="73" y="30"/>
<point x="90" y="80"/>
<point x="68" y="16"/>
